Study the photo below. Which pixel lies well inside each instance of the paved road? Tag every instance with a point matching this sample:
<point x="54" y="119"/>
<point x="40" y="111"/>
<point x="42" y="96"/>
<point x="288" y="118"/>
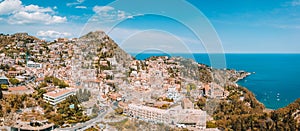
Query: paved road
<point x="85" y="124"/>
<point x="91" y="122"/>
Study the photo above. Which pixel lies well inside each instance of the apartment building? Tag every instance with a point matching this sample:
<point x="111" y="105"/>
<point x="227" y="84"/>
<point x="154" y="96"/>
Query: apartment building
<point x="148" y="114"/>
<point x="189" y="117"/>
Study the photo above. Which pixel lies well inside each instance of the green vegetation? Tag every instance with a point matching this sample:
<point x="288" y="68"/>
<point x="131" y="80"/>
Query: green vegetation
<point x="167" y="99"/>
<point x="42" y="85"/>
<point x="1" y="94"/>
<point x="67" y="115"/>
<point x="210" y="124"/>
<point x="119" y="110"/>
<point x="14" y="81"/>
<point x="235" y="114"/>
<point x="205" y="75"/>
<point x="201" y="103"/>
<point x="92" y="129"/>
<point x="84" y="95"/>
<point x="56" y="82"/>
<point x="284" y="119"/>
<point x="4" y="67"/>
<point x="138" y="125"/>
<point x="39" y="93"/>
<point x="12" y="103"/>
<point x="4" y="87"/>
<point x="190" y="86"/>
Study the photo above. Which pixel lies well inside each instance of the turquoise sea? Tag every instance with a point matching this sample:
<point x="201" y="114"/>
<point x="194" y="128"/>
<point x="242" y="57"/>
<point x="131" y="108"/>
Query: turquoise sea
<point x="274" y="79"/>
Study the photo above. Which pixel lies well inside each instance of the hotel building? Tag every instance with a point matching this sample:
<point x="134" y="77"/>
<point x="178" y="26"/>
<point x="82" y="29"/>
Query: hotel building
<point x="57" y="96"/>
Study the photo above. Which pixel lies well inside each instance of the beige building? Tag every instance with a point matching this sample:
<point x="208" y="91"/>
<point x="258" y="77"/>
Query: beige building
<point x="189" y="117"/>
<point x="187" y="104"/>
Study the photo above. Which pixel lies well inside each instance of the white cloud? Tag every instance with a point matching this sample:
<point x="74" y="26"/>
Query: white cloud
<point x="9" y="6"/>
<point x="77" y="2"/>
<point x="24" y="17"/>
<point x="99" y="9"/>
<point x="294" y="3"/>
<point x="81" y="7"/>
<point x="35" y="8"/>
<point x="50" y="34"/>
<point x="30" y="14"/>
<point x="108" y="14"/>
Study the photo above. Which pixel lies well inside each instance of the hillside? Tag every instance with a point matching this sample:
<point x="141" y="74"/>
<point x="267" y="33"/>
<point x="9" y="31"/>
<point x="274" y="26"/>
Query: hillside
<point x="96" y="63"/>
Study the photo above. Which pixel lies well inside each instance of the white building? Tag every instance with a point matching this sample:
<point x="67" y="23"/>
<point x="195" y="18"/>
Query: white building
<point x="188" y="117"/>
<point x="148" y="114"/>
<point x="32" y="64"/>
<point x="172" y="93"/>
<point x="57" y="96"/>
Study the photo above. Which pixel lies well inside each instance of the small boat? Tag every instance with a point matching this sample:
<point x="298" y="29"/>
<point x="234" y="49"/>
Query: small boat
<point x="278" y="99"/>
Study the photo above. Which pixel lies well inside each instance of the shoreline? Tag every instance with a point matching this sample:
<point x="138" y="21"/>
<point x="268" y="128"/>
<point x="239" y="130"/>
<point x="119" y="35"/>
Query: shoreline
<point x="242" y="77"/>
<point x="267" y="110"/>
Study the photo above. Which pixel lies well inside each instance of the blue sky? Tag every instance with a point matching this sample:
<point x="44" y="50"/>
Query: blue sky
<point x="248" y="26"/>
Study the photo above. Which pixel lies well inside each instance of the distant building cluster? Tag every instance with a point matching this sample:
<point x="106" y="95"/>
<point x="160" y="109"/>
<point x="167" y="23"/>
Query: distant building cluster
<point x="153" y="90"/>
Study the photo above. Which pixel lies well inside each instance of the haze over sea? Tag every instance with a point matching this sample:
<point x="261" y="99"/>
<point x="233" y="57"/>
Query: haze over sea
<point x="274" y="79"/>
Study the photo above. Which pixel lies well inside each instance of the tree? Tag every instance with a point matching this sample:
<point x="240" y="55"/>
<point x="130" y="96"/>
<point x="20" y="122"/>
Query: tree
<point x="83" y="95"/>
<point x="201" y="102"/>
<point x="43" y="84"/>
<point x="14" y="81"/>
<point x="40" y="93"/>
<point x="95" y="109"/>
<point x="210" y="124"/>
<point x="119" y="110"/>
<point x="1" y="95"/>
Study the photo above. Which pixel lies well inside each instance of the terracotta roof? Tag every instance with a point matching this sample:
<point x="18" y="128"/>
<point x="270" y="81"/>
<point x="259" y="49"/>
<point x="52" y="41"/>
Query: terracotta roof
<point x="16" y="72"/>
<point x="206" y="87"/>
<point x="58" y="92"/>
<point x="18" y="88"/>
<point x="115" y="96"/>
<point x="40" y="79"/>
<point x="160" y="104"/>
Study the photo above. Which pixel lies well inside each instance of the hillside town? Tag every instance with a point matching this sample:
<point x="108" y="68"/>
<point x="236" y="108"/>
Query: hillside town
<point x="90" y="83"/>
